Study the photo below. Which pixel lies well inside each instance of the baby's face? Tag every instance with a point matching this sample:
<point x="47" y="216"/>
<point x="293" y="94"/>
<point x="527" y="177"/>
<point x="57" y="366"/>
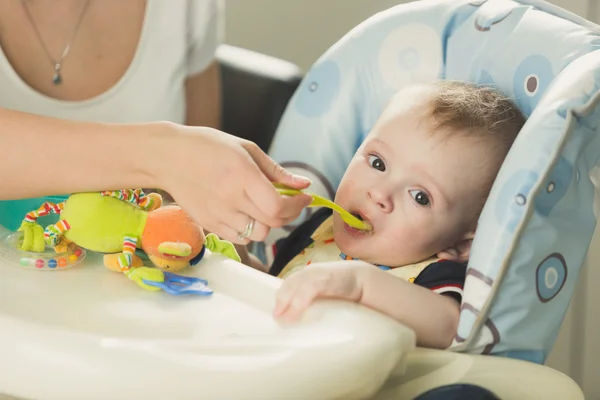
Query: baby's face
<point x="421" y="191"/>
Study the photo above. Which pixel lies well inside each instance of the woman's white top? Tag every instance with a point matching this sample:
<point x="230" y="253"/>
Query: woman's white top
<point x="178" y="39"/>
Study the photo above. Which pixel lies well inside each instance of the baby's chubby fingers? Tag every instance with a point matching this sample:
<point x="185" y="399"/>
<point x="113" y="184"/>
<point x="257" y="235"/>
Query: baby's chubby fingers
<point x="295" y="295"/>
<point x="282" y="301"/>
<point x="291" y="304"/>
<point x="299" y="291"/>
<point x="329" y="280"/>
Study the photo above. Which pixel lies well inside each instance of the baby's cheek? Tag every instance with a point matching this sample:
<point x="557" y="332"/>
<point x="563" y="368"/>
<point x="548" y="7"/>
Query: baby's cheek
<point x="422" y="234"/>
<point x="406" y="242"/>
<point x="446" y="235"/>
<point x="354" y="180"/>
<point x="341" y="193"/>
<point x="346" y="188"/>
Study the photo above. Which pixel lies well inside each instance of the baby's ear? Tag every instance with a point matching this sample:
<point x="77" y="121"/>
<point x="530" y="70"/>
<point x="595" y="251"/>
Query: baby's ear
<point x="460" y="251"/>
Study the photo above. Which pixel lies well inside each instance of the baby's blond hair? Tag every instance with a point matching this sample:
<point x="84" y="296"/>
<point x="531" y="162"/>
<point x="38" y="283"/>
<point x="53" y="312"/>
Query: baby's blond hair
<point x="464" y="107"/>
<point x="475" y="111"/>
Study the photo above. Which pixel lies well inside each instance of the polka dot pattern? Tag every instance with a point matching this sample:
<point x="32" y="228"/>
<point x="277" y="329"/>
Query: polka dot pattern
<point x="555" y="187"/>
<point x="318" y="91"/>
<point x="530" y="81"/>
<point x="512" y="201"/>
<point x="410" y="54"/>
<point x="550" y="277"/>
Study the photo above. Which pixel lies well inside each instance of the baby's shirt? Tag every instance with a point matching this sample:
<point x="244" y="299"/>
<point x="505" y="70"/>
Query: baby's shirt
<point x="312" y="242"/>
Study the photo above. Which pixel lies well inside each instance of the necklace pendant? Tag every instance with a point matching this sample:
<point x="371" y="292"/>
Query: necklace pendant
<point x="57" y="78"/>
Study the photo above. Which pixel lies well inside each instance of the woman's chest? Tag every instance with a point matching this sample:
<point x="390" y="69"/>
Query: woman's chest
<point x="125" y="63"/>
<point x="87" y="45"/>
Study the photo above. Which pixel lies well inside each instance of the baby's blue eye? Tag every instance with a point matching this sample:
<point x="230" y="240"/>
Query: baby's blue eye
<point x="376" y="163"/>
<point x="420" y="197"/>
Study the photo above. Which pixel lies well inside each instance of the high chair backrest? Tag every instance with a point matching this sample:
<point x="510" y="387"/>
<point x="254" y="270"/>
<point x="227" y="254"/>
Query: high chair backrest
<point x="536" y="226"/>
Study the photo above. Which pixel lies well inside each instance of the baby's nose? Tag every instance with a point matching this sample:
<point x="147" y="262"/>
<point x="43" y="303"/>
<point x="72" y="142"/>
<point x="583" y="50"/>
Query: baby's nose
<point x="381" y="199"/>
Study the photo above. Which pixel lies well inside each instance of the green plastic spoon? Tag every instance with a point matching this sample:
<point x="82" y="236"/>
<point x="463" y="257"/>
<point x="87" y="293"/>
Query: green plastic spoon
<point x="319" y="201"/>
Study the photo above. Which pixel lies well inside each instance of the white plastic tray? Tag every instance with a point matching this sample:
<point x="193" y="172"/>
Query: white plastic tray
<point x="89" y="333"/>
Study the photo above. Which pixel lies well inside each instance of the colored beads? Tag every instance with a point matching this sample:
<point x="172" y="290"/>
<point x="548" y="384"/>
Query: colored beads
<point x="52" y="263"/>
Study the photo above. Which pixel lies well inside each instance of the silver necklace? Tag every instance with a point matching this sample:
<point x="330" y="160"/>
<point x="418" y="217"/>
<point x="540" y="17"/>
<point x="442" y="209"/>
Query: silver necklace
<point x="57" y="64"/>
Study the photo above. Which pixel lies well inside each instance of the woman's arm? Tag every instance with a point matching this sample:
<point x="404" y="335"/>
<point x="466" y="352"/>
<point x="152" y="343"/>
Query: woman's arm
<point x="45" y="156"/>
<point x="221" y="180"/>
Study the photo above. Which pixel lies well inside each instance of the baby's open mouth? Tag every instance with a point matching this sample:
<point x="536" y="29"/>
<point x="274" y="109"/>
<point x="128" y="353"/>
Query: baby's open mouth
<point x="364" y="219"/>
<point x="356" y="231"/>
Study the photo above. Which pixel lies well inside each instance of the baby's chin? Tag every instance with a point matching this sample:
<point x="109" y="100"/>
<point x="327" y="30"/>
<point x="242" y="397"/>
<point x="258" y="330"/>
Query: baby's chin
<point x="365" y="251"/>
<point x="353" y="251"/>
<point x="350" y="246"/>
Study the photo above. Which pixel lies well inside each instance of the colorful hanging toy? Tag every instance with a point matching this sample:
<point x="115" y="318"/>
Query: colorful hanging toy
<point x="117" y="223"/>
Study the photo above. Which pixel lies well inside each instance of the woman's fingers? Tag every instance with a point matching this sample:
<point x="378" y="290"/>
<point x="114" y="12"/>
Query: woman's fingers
<point x="247" y="228"/>
<point x="239" y="228"/>
<point x="276" y="210"/>
<point x="288" y="214"/>
<point x="247" y="187"/>
<point x="239" y="209"/>
<point x="273" y="171"/>
<point x="225" y="232"/>
<point x="272" y="208"/>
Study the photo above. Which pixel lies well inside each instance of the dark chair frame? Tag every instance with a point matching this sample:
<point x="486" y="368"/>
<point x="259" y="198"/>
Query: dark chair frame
<point x="256" y="91"/>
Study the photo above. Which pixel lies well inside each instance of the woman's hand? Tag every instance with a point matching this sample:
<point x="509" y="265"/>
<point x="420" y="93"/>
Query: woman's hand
<point x="225" y="182"/>
<point x="335" y="280"/>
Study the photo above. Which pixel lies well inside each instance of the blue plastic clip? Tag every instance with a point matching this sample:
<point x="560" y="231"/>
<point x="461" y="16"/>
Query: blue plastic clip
<point x="177" y="285"/>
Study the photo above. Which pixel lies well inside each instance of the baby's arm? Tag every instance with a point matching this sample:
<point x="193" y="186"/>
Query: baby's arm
<point x="433" y="317"/>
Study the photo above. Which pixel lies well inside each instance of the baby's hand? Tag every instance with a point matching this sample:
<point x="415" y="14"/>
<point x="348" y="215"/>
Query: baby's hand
<point x="340" y="280"/>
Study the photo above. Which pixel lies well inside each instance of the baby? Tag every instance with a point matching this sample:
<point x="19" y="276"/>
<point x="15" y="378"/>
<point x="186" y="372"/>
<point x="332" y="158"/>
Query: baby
<point x="420" y="178"/>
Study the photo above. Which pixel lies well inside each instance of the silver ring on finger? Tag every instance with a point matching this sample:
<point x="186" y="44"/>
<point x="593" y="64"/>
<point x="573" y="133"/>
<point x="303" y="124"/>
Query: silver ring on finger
<point x="248" y="231"/>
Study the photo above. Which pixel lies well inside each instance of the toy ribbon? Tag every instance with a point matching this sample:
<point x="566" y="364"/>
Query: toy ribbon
<point x="216" y="245"/>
